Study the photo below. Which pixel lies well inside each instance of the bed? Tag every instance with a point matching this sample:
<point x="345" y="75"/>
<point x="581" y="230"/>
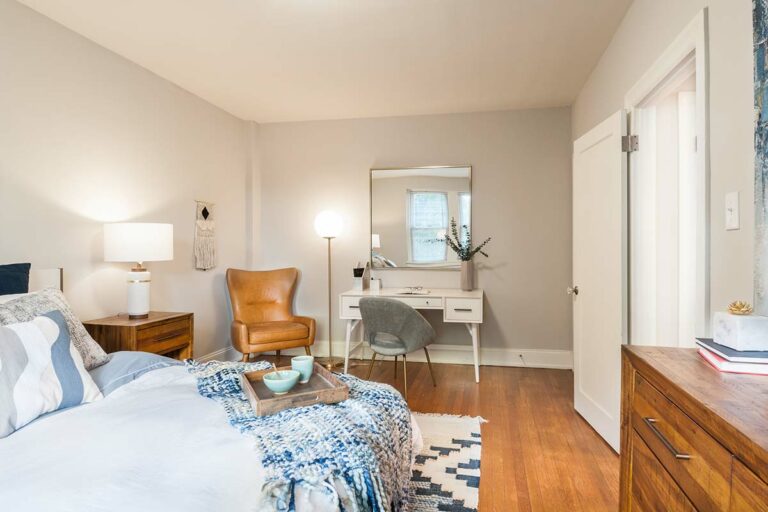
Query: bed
<point x="152" y="444"/>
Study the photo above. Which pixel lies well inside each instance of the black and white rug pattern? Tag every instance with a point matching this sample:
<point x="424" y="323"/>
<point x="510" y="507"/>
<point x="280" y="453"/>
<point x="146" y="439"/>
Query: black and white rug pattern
<point x="446" y="474"/>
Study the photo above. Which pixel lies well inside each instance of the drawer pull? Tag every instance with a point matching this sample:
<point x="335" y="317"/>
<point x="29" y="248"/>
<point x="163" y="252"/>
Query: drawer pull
<point x="169" y="335"/>
<point x="354" y="307"/>
<point x="651" y="422"/>
<point x="463" y="310"/>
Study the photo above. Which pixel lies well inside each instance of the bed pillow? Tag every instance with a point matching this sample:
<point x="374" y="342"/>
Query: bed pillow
<point x="28" y="306"/>
<point x="40" y="371"/>
<point x="14" y="278"/>
<point x="124" y="367"/>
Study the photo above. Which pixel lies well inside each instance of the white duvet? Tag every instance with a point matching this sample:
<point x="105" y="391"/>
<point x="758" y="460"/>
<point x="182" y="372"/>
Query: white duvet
<point x="153" y="445"/>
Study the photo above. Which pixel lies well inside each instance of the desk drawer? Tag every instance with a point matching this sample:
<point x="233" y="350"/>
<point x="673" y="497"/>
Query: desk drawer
<point x="350" y="307"/>
<point x="696" y="461"/>
<point x="463" y="310"/>
<point x="422" y="302"/>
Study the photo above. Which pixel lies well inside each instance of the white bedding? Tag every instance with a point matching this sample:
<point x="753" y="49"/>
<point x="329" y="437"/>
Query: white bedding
<point x="153" y="445"/>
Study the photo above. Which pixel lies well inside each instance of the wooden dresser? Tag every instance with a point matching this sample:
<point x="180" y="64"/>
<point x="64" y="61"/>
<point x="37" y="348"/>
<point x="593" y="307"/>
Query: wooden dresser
<point x="168" y="334"/>
<point x="692" y="438"/>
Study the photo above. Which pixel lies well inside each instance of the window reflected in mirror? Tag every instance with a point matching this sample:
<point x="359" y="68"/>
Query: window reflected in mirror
<point x="411" y="212"/>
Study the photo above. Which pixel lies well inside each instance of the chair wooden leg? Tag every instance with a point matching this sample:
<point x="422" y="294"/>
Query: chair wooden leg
<point x="307" y="351"/>
<point x="246" y="356"/>
<point x="395" y="367"/>
<point x="405" y="377"/>
<point x="429" y="363"/>
<point x="277" y="359"/>
<point x="370" y="368"/>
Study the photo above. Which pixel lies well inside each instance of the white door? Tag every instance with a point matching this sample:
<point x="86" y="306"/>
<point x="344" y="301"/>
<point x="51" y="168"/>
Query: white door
<point x="599" y="272"/>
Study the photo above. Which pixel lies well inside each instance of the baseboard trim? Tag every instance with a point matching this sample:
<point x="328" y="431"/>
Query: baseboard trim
<point x="224" y="354"/>
<point x="447" y="354"/>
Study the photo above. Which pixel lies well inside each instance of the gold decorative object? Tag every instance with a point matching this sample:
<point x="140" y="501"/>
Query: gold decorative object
<point x="740" y="307"/>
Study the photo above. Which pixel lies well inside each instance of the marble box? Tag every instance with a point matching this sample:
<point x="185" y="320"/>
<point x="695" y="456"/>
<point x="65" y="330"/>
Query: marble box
<point x="741" y="332"/>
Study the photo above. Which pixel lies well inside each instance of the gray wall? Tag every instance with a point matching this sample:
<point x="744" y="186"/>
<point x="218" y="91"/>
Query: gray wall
<point x="647" y="29"/>
<point x="87" y="137"/>
<point x="521" y="192"/>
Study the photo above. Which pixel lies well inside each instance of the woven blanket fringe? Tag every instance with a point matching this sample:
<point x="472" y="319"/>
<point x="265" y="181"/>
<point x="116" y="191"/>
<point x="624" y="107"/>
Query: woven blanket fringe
<point x="362" y="493"/>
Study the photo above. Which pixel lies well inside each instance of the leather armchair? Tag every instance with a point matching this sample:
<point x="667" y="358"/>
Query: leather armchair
<point x="262" y="307"/>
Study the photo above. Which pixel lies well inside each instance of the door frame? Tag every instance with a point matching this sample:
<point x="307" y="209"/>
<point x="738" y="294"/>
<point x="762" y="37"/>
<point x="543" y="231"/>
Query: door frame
<point x="691" y="43"/>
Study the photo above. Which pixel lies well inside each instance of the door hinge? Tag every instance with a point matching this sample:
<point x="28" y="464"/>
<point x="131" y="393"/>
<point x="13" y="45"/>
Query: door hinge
<point x="629" y="143"/>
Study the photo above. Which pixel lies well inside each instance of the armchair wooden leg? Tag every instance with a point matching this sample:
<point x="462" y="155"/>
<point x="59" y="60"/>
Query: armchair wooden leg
<point x="307" y="351"/>
<point x="277" y="359"/>
<point x="429" y="363"/>
<point x="395" y="367"/>
<point x="246" y="356"/>
<point x="370" y="368"/>
<point x="405" y="377"/>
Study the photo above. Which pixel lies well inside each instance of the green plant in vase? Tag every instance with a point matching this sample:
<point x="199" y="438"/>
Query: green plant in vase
<point x="461" y="244"/>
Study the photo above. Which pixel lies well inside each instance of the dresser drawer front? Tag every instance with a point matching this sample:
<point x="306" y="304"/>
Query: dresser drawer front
<point x="652" y="486"/>
<point x="695" y="460"/>
<point x="164" y="337"/>
<point x="464" y="310"/>
<point x="749" y="493"/>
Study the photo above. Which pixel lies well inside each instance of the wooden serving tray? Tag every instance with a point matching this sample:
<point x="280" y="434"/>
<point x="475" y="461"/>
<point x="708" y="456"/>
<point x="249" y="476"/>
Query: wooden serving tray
<point x="323" y="388"/>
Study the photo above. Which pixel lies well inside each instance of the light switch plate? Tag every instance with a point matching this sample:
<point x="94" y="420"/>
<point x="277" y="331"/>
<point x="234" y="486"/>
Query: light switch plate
<point x="732" y="211"/>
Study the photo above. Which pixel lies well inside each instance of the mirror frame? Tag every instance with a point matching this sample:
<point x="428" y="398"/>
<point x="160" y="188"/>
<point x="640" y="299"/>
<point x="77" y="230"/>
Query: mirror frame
<point x="370" y="212"/>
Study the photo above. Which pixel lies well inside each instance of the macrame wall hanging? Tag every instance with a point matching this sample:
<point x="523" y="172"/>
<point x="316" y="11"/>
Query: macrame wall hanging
<point x="205" y="236"/>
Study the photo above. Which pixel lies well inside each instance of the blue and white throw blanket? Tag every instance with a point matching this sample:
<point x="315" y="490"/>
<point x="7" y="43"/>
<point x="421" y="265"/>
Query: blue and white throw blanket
<point x="362" y="446"/>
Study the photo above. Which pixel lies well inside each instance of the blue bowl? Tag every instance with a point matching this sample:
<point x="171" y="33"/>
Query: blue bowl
<point x="281" y="382"/>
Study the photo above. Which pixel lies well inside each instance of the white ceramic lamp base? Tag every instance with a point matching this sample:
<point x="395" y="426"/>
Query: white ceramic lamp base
<point x="138" y="294"/>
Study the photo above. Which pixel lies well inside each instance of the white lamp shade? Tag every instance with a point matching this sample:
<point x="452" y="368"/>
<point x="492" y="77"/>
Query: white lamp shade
<point x="375" y="241"/>
<point x="328" y="224"/>
<point x="138" y="242"/>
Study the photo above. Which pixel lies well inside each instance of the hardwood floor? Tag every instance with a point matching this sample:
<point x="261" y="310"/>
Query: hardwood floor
<point x="538" y="454"/>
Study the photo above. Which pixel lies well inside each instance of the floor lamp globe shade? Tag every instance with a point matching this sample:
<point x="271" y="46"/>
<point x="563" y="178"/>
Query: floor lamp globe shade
<point x="328" y="224"/>
<point x="138" y="242"/>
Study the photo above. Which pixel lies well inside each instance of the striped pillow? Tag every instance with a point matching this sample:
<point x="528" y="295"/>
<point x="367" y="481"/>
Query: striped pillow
<point x="40" y="371"/>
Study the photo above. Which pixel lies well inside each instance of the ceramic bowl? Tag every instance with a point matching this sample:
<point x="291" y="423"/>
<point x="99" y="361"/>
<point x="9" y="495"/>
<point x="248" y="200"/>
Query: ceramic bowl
<point x="281" y="382"/>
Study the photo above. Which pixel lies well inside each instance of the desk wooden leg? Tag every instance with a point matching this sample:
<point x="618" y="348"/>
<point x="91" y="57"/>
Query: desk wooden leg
<point x="351" y="324"/>
<point x="474" y="331"/>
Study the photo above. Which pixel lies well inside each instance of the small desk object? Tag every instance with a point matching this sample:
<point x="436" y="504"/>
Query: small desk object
<point x="457" y="305"/>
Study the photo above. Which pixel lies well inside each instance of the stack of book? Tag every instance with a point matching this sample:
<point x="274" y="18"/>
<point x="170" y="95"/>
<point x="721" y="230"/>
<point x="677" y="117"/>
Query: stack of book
<point x="729" y="360"/>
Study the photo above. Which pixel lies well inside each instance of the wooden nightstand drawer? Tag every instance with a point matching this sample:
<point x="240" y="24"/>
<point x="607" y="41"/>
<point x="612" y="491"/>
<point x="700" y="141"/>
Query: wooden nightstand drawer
<point x="169" y="334"/>
<point x="697" y="462"/>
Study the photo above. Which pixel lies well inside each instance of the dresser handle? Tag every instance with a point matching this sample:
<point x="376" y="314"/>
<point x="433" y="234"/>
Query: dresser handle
<point x="463" y="310"/>
<point x="651" y="422"/>
<point x="354" y="307"/>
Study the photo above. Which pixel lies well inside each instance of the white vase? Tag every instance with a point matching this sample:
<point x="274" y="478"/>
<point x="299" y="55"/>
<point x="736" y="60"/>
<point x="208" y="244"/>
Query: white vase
<point x="467" y="276"/>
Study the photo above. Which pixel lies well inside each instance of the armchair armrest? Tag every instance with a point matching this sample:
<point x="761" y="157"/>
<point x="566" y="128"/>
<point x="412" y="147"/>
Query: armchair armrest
<point x="239" y="333"/>
<point x="310" y="323"/>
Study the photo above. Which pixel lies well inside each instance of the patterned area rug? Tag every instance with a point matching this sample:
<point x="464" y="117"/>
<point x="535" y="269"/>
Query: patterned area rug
<point x="446" y="475"/>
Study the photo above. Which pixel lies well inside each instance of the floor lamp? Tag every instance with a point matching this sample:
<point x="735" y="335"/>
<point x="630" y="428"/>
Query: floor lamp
<point x="328" y="225"/>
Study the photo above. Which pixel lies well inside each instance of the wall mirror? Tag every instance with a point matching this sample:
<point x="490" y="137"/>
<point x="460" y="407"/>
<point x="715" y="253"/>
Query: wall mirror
<point x="411" y="211"/>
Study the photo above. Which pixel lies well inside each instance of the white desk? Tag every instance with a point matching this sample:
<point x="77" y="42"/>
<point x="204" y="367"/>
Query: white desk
<point x="458" y="307"/>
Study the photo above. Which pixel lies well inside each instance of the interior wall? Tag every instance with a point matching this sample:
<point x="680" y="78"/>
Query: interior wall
<point x="521" y="194"/>
<point x="647" y="29"/>
<point x="87" y="137"/>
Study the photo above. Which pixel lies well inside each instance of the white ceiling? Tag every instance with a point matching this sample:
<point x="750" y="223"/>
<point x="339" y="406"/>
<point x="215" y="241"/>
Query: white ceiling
<point x="289" y="60"/>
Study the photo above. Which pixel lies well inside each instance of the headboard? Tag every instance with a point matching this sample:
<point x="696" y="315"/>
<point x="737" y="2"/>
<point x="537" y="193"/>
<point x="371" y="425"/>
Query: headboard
<point x="40" y="278"/>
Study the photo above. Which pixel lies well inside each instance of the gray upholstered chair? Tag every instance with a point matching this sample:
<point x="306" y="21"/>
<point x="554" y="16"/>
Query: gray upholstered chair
<point x="394" y="328"/>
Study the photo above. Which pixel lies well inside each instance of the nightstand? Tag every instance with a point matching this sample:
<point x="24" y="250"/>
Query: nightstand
<point x="168" y="334"/>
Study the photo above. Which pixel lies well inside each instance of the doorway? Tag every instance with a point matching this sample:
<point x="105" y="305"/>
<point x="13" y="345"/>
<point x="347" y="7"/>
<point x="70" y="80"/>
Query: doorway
<point x="669" y="197"/>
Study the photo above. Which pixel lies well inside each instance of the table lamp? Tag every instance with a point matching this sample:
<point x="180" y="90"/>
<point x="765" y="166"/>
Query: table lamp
<point x="137" y="242"/>
<point x="328" y="225"/>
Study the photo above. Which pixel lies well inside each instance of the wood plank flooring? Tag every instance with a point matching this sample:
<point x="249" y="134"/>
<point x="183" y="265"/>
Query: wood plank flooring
<point x="538" y="454"/>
